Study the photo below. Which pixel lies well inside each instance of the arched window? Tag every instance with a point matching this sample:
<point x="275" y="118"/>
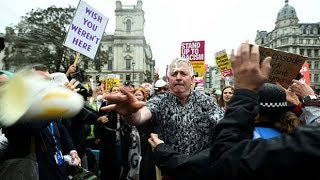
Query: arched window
<point x="128" y="60"/>
<point x="308" y="30"/>
<point x="315" y="31"/>
<point x="128" y="24"/>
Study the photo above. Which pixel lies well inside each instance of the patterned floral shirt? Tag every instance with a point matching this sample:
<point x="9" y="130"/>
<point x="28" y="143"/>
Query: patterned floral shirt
<point x="186" y="128"/>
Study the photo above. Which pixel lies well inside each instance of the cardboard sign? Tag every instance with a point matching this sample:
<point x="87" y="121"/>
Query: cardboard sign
<point x="85" y="32"/>
<point x="285" y="65"/>
<point x="223" y="63"/>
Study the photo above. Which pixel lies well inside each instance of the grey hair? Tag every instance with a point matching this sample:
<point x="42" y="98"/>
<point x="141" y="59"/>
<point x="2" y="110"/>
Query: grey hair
<point x="178" y="61"/>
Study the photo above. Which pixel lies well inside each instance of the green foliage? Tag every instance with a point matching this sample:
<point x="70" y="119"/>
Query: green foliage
<point x="39" y="37"/>
<point x="148" y="77"/>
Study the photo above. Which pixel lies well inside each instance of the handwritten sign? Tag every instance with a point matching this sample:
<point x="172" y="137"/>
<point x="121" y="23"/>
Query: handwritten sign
<point x="223" y="63"/>
<point x="86" y="30"/>
<point x="285" y="65"/>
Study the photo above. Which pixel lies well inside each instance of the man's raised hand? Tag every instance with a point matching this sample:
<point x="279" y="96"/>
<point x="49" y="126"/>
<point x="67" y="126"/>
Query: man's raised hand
<point x="248" y="73"/>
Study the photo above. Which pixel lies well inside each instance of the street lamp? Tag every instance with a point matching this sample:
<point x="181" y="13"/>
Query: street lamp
<point x="133" y="63"/>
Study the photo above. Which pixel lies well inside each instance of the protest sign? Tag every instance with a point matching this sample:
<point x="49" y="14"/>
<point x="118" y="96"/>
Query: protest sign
<point x="305" y="71"/>
<point x="194" y="51"/>
<point x="198" y="67"/>
<point x="112" y="80"/>
<point x="285" y="65"/>
<point x="86" y="30"/>
<point x="223" y="63"/>
<point x="198" y="80"/>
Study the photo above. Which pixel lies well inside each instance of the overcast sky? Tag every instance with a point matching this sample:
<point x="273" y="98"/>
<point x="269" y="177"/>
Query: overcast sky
<point x="222" y="24"/>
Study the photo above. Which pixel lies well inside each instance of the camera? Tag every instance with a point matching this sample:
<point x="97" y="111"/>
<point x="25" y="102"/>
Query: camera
<point x="299" y="76"/>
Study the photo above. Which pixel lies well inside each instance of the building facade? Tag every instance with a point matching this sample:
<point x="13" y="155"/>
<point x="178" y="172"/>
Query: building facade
<point x="292" y="36"/>
<point x="213" y="79"/>
<point x="1" y="56"/>
<point x="129" y="54"/>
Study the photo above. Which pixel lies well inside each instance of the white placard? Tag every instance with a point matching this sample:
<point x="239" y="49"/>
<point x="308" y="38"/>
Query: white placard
<point x="86" y="30"/>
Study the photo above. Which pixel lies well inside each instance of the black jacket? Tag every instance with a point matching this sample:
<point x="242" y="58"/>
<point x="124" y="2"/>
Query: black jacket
<point x="79" y="127"/>
<point x="234" y="155"/>
<point x="110" y="164"/>
<point x="181" y="166"/>
<point x="20" y="135"/>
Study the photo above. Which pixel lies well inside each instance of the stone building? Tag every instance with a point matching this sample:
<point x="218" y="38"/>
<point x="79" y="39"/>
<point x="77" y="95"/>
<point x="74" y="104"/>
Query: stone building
<point x="213" y="78"/>
<point x="130" y="56"/>
<point x="295" y="37"/>
<point x="1" y="53"/>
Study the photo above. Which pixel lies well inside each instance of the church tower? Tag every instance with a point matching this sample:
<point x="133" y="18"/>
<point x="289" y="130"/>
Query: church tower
<point x="132" y="55"/>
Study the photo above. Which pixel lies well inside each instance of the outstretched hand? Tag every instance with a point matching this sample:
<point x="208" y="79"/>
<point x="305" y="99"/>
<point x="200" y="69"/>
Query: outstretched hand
<point x="124" y="103"/>
<point x="248" y="73"/>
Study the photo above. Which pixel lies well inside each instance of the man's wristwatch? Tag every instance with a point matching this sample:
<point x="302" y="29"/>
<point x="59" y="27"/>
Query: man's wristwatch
<point x="308" y="98"/>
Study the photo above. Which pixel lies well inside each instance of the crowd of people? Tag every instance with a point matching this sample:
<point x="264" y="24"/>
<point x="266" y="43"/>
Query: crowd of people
<point x="255" y="129"/>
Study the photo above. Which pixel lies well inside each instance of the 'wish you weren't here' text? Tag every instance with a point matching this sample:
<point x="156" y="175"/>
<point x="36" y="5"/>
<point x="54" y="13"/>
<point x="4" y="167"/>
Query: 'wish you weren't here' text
<point x="92" y="23"/>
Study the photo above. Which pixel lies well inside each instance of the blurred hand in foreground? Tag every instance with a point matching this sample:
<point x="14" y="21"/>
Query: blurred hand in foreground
<point x="248" y="73"/>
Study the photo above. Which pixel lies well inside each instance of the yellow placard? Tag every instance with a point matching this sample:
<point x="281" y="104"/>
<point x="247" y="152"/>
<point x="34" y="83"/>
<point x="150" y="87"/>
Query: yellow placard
<point x="199" y="68"/>
<point x="223" y="63"/>
<point x="111" y="82"/>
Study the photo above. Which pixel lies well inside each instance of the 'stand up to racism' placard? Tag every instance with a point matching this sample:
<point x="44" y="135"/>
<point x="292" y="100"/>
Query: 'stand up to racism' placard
<point x="194" y="51"/>
<point x="285" y="66"/>
<point x="86" y="30"/>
